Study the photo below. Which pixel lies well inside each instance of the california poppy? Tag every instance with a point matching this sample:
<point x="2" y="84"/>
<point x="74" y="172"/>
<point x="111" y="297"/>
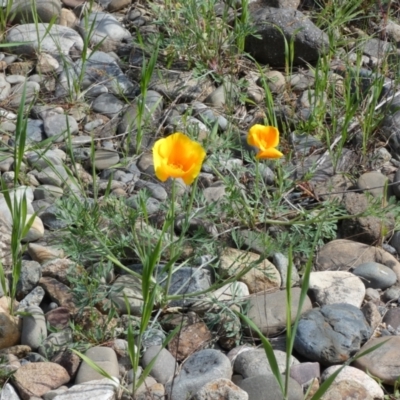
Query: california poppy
<point x="265" y="138"/>
<point x="177" y="156"/>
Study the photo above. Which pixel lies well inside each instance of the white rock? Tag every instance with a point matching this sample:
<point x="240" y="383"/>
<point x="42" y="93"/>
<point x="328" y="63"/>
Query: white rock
<point x="8" y="393"/>
<point x="103" y="389"/>
<point x="332" y="287"/>
<point x="355" y="374"/>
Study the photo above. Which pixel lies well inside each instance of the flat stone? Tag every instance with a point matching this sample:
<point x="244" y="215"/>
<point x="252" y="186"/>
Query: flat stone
<point x="46" y="11"/>
<point x="52" y="39"/>
<point x="55" y="175"/>
<point x="273" y="25"/>
<point x="59" y="293"/>
<point x="190" y="339"/>
<point x="54" y="343"/>
<point x="331" y="287"/>
<point x="268" y="310"/>
<point x="103" y="389"/>
<point x="219" y="389"/>
<point x="354" y="374"/>
<point x="375" y="275"/>
<point x="347" y="389"/>
<point x="255" y="362"/>
<point x="382" y="363"/>
<point x="105" y="358"/>
<point x="10" y="329"/>
<point x="60" y="127"/>
<point x="34" y="330"/>
<point x="331" y="334"/>
<point x="106" y="29"/>
<point x="8" y="393"/>
<point x="260" y="276"/>
<point x="108" y="105"/>
<point x="36" y="379"/>
<point x="129" y="287"/>
<point x="198" y="370"/>
<point x="165" y="365"/>
<point x="373" y="182"/>
<point x="266" y="387"/>
<point x="58" y="318"/>
<point x="29" y="278"/>
<point x="68" y="360"/>
<point x="104" y="159"/>
<point x="341" y="255"/>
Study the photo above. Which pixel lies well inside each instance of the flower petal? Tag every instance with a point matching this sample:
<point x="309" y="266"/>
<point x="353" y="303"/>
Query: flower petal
<point x="269" y="153"/>
<point x="254" y="135"/>
<point x="271" y="136"/>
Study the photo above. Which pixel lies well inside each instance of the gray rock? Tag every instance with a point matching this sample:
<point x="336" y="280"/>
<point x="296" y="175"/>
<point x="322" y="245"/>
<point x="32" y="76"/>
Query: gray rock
<point x="34" y="298"/>
<point x="46" y="11"/>
<point x="31" y="91"/>
<point x="108" y="105"/>
<point x="129" y="287"/>
<point x="29" y="278"/>
<point x="255" y="362"/>
<point x="165" y="366"/>
<point x="5" y="88"/>
<point x="209" y="116"/>
<point x="367" y="229"/>
<point x="104" y="159"/>
<point x="60" y="126"/>
<point x="155" y="189"/>
<point x="391" y="294"/>
<point x="331" y="334"/>
<point x="55" y="343"/>
<point x="224" y="95"/>
<point x="52" y="39"/>
<point x="153" y="105"/>
<point x="199" y="369"/>
<point x="375" y="275"/>
<point x="282" y="263"/>
<point x="48" y="193"/>
<point x="266" y="387"/>
<point x="308" y="40"/>
<point x="331" y="287"/>
<point x="34" y="130"/>
<point x="50" y="219"/>
<point x="34" y="330"/>
<point x="395" y="241"/>
<point x="105" y="358"/>
<point x="374" y="182"/>
<point x="96" y="67"/>
<point x="305" y="372"/>
<point x="8" y="393"/>
<point x="103" y="389"/>
<point x="152" y="205"/>
<point x="152" y="337"/>
<point x="268" y="310"/>
<point x="104" y="28"/>
<point x="55" y="175"/>
<point x="42" y="159"/>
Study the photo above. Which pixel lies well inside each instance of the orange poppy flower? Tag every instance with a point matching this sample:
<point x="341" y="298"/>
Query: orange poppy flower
<point x="177" y="156"/>
<point x="265" y="138"/>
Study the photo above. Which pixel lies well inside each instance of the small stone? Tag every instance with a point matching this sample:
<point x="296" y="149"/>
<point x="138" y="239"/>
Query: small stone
<point x="347" y="389"/>
<point x="331" y="287"/>
<point x="268" y="310"/>
<point x="354" y="374"/>
<point x="60" y="126"/>
<point x="372" y="314"/>
<point x="198" y="370"/>
<point x="69" y="360"/>
<point x="34" y="298"/>
<point x="34" y="330"/>
<point x="255" y="362"/>
<point x="103" y="389"/>
<point x="55" y="343"/>
<point x="59" y="293"/>
<point x="305" y="372"/>
<point x="58" y="318"/>
<point x="29" y="278"/>
<point x="10" y="329"/>
<point x="105" y="358"/>
<point x="36" y="379"/>
<point x="129" y="287"/>
<point x="260" y="276"/>
<point x="375" y="275"/>
<point x="190" y="339"/>
<point x="104" y="159"/>
<point x="219" y="389"/>
<point x="165" y="365"/>
<point x="266" y="387"/>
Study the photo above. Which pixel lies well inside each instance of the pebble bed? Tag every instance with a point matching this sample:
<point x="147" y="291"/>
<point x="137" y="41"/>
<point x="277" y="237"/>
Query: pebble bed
<point x="83" y="114"/>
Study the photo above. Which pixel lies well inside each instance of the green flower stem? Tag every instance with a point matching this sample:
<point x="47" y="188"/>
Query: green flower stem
<point x="171" y="219"/>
